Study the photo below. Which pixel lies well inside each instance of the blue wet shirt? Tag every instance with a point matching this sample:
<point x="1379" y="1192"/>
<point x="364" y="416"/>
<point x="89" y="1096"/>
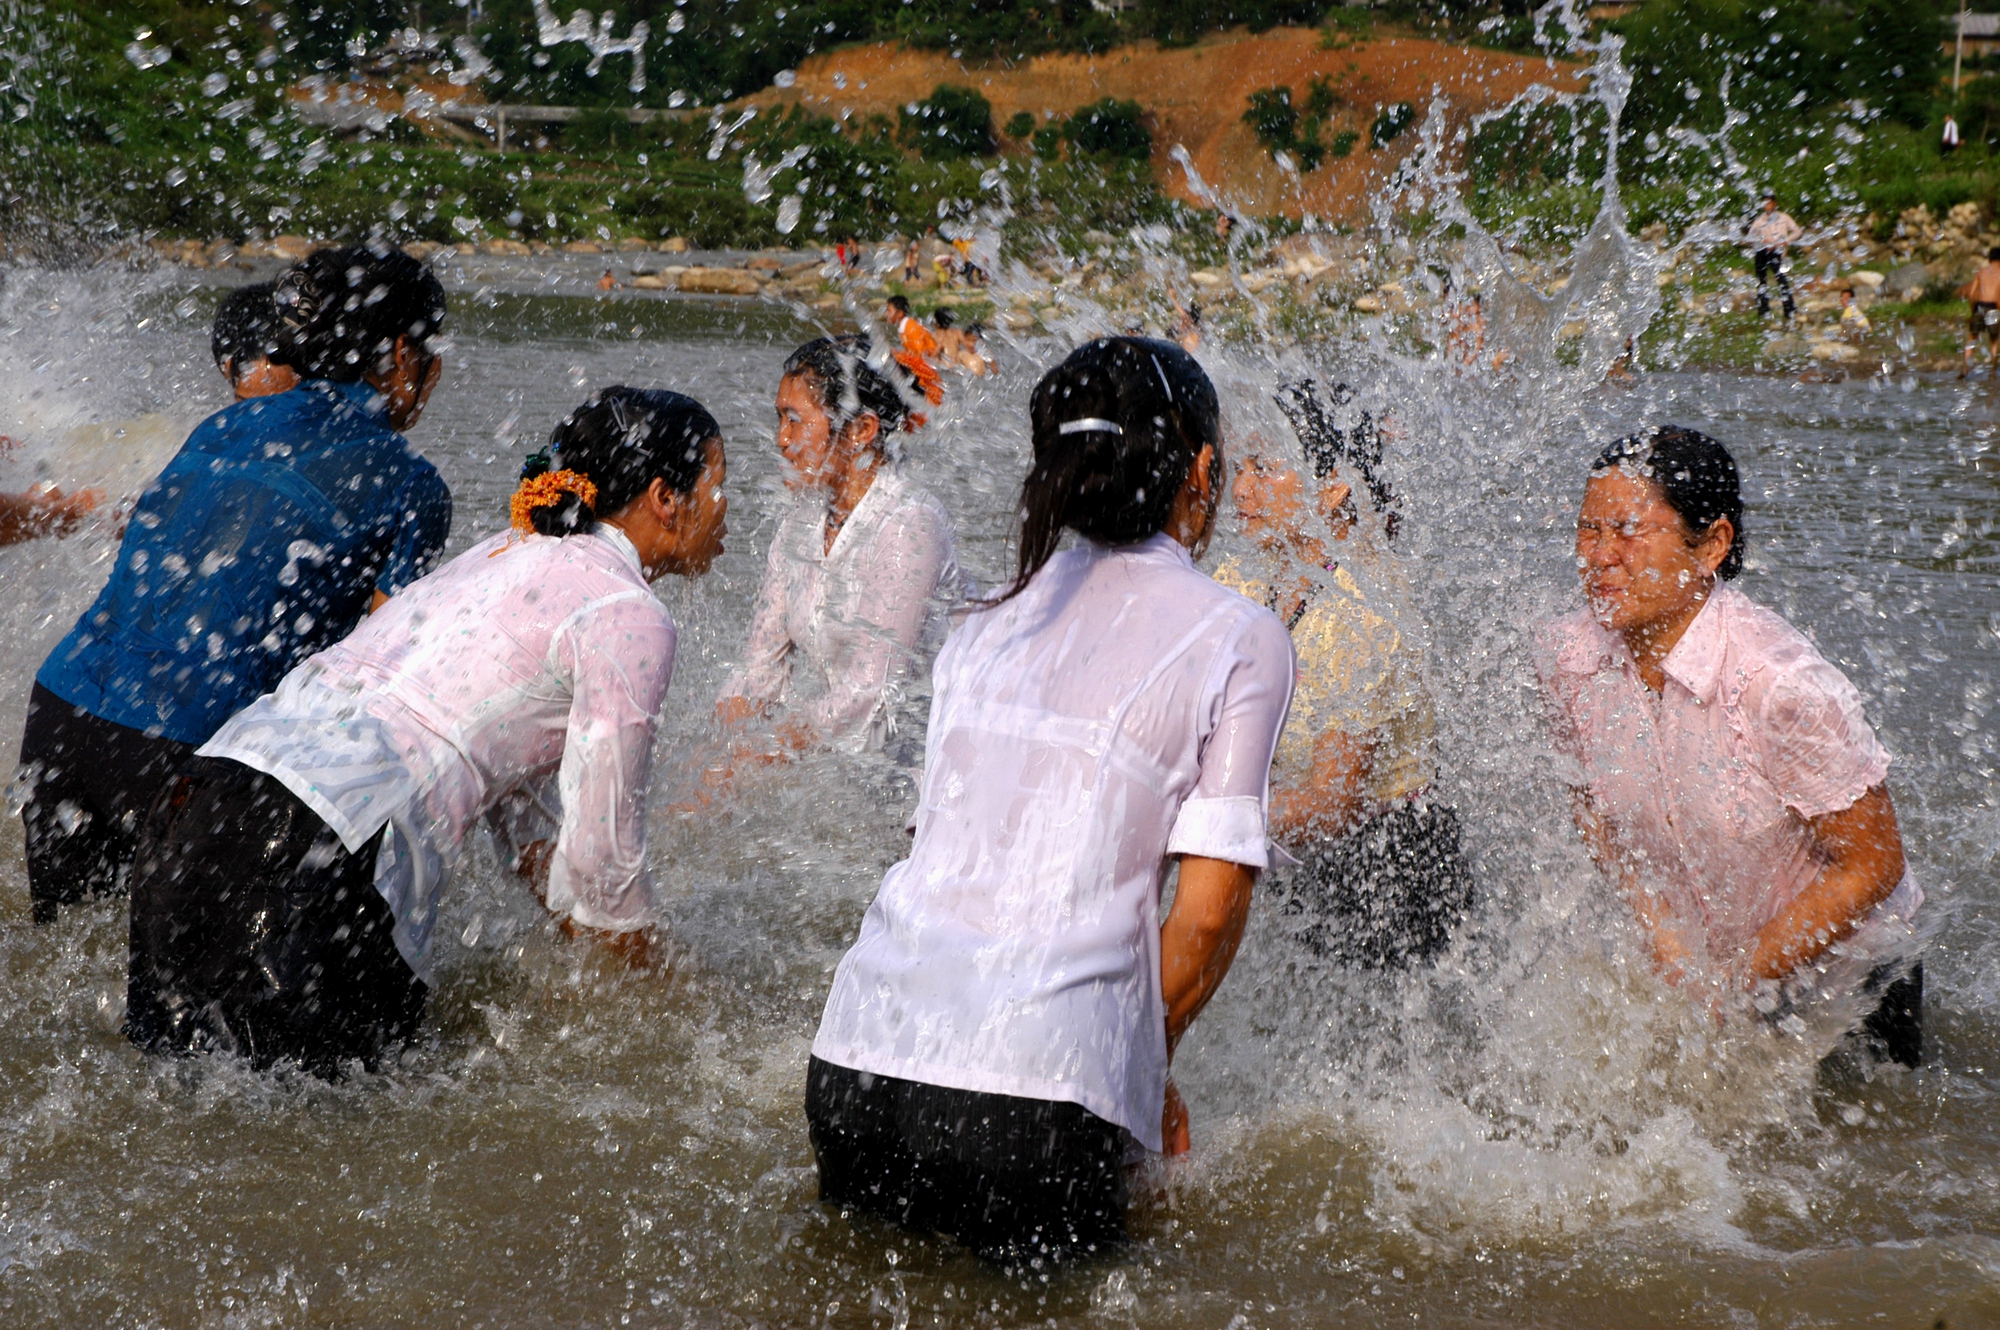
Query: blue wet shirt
<point x="263" y="541"/>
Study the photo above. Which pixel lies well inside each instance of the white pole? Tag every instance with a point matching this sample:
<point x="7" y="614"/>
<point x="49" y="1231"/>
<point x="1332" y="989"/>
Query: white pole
<point x="1958" y="51"/>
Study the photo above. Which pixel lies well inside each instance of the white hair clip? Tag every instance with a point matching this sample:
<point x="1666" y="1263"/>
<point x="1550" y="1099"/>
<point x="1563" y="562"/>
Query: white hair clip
<point x="1088" y="424"/>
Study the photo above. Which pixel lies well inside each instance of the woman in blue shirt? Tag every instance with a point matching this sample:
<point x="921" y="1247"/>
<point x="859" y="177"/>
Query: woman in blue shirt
<point x="280" y="523"/>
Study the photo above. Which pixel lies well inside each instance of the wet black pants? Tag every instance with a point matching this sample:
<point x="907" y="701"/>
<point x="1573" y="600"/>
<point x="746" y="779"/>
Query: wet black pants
<point x="1008" y="1177"/>
<point x="255" y="932"/>
<point x="1895" y="1029"/>
<point x="91" y="783"/>
<point x="1387" y="894"/>
<point x="1771" y="263"/>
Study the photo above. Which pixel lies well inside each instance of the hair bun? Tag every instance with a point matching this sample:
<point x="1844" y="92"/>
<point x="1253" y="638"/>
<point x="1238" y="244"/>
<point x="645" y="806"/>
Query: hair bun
<point x="553" y="503"/>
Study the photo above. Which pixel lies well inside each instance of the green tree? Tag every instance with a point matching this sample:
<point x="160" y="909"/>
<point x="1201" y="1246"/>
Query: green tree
<point x="1110" y="128"/>
<point x="952" y="122"/>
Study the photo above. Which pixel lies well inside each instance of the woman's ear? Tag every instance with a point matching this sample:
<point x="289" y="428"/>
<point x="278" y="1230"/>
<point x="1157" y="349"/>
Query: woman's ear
<point x="863" y="430"/>
<point x="1715" y="544"/>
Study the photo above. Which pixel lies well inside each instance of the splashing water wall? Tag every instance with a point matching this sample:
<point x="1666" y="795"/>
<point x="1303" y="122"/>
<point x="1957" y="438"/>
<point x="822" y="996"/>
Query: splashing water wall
<point x="1537" y="1131"/>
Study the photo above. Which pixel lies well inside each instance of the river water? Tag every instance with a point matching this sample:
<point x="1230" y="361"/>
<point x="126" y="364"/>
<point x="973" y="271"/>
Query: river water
<point x="1535" y="1133"/>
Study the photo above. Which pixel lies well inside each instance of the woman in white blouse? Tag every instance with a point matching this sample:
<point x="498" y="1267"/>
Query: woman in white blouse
<point x="860" y="563"/>
<point x="1000" y="1033"/>
<point x="287" y="883"/>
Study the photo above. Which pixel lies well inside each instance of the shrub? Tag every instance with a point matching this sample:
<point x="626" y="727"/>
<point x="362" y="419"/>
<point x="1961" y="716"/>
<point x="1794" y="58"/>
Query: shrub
<point x="1110" y="128"/>
<point x="1390" y="121"/>
<point x="952" y="122"/>
<point x="1020" y="124"/>
<point x="1047" y="141"/>
<point x="1273" y="119"/>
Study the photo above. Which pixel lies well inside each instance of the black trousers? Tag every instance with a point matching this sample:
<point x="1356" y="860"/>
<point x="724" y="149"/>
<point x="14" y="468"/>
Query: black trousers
<point x="1387" y="894"/>
<point x="1895" y="1029"/>
<point x="255" y="932"/>
<point x="1770" y="262"/>
<point x="91" y="782"/>
<point x="1009" y="1178"/>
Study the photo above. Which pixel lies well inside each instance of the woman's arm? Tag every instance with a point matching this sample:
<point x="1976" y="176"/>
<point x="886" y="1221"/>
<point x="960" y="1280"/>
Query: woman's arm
<point x="618" y="659"/>
<point x="1863" y="847"/>
<point x="760" y="679"/>
<point x="1198" y="943"/>
<point x="1329" y="801"/>
<point x="1663" y="934"/>
<point x="46" y="512"/>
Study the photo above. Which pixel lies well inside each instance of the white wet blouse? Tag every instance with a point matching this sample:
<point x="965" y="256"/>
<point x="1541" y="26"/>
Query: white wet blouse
<point x="1122" y="709"/>
<point x="524" y="658"/>
<point x="856" y="613"/>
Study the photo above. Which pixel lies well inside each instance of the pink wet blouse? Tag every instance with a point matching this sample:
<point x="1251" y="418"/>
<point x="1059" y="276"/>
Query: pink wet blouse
<point x="1710" y="784"/>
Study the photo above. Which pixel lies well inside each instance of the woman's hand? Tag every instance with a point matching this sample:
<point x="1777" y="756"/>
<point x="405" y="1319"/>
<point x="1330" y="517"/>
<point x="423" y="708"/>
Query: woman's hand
<point x="636" y="949"/>
<point x="1174" y="1123"/>
<point x="1328" y="802"/>
<point x="1863" y="848"/>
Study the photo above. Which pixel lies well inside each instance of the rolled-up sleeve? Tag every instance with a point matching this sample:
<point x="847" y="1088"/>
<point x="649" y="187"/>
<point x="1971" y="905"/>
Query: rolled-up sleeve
<point x="1249" y="695"/>
<point x="617" y="657"/>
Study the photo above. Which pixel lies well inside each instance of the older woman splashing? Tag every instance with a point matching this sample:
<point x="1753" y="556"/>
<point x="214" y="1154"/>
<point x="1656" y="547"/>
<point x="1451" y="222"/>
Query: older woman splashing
<point x="1003" y="1026"/>
<point x="856" y="569"/>
<point x="1726" y="780"/>
<point x="288" y="879"/>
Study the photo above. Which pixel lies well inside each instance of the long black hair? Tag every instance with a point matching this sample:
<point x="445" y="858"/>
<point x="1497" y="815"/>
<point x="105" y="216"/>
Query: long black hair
<point x="1696" y="477"/>
<point x="1117" y="428"/>
<point x="341" y="311"/>
<point x="621" y="440"/>
<point x="1326" y="445"/>
<point x="846" y="384"/>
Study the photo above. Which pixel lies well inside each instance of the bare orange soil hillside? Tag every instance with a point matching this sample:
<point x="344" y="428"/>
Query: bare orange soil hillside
<point x="1195" y="96"/>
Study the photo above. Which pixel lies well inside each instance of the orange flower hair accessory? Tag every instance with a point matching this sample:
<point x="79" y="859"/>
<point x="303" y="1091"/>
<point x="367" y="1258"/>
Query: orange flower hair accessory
<point x="545" y="491"/>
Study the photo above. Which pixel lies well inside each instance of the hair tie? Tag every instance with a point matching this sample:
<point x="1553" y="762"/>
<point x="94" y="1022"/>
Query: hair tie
<point x="545" y="491"/>
<point x="1090" y="424"/>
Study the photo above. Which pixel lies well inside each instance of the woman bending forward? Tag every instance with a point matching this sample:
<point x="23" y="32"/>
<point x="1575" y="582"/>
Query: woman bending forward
<point x="288" y="879"/>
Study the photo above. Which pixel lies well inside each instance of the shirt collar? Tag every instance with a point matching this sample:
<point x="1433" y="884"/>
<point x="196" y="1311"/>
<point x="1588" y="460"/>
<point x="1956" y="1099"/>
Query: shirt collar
<point x="1156" y="546"/>
<point x="361" y="395"/>
<point x="621" y="542"/>
<point x="1695" y="663"/>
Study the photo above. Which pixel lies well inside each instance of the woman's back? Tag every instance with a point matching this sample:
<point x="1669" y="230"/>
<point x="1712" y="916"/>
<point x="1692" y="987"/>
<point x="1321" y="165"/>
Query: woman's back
<point x="1121" y="708"/>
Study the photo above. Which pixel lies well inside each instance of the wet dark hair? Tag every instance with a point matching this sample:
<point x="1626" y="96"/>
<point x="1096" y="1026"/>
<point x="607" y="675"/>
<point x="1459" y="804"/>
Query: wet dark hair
<point x="846" y="384"/>
<point x="246" y="326"/>
<point x="900" y="304"/>
<point x="621" y="440"/>
<point x="1696" y="476"/>
<point x="1114" y="485"/>
<point x="942" y="318"/>
<point x="1994" y="253"/>
<point x="1327" y="446"/>
<point x="340" y="311"/>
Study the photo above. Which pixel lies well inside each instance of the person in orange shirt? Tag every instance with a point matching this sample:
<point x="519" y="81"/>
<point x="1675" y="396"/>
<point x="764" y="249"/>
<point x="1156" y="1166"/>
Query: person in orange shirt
<point x="910" y="335"/>
<point x="1984" y="293"/>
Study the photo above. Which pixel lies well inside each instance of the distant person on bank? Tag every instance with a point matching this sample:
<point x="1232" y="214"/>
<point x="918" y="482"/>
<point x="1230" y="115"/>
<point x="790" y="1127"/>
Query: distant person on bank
<point x="1772" y="233"/>
<point x="1725" y="779"/>
<point x="999" y="1036"/>
<point x="279" y="524"/>
<point x="1983" y="293"/>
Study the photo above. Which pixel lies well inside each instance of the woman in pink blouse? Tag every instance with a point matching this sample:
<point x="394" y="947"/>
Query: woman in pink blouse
<point x="287" y="882"/>
<point x="1725" y="777"/>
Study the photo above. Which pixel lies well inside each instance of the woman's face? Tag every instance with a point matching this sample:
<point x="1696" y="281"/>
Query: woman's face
<point x="701" y="517"/>
<point x="814" y="455"/>
<point x="1638" y="562"/>
<point x="1269" y="500"/>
